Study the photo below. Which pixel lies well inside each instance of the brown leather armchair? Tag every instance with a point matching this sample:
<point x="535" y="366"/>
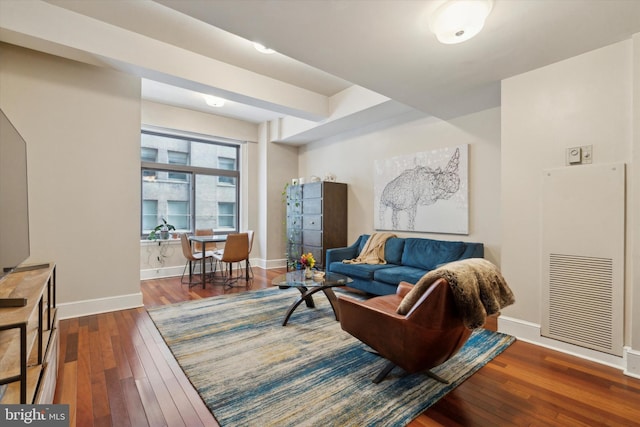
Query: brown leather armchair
<point x="429" y="334"/>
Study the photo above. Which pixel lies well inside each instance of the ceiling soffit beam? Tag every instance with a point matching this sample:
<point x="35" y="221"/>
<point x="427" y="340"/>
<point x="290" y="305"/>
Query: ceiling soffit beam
<point x="354" y="107"/>
<point x="146" y="57"/>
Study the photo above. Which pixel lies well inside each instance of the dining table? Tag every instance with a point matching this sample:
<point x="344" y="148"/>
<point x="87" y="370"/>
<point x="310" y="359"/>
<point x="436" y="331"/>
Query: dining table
<point x="204" y="240"/>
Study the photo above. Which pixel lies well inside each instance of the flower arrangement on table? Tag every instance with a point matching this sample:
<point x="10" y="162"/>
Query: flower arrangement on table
<point x="308" y="262"/>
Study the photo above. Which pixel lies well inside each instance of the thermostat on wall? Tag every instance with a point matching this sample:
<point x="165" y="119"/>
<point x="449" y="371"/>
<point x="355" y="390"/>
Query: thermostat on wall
<point x="579" y="155"/>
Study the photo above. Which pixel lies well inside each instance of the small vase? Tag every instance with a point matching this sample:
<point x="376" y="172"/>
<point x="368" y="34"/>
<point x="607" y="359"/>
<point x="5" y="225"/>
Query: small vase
<point x="308" y="274"/>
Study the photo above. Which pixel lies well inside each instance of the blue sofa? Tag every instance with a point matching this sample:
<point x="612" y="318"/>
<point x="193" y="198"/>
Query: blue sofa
<point x="408" y="259"/>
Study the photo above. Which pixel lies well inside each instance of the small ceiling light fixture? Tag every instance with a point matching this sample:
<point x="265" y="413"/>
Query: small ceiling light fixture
<point x="262" y="49"/>
<point x="214" y="101"/>
<point x="456" y="21"/>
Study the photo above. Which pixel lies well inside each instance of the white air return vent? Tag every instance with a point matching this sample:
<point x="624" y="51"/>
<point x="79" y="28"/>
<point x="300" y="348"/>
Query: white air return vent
<point x="583" y="256"/>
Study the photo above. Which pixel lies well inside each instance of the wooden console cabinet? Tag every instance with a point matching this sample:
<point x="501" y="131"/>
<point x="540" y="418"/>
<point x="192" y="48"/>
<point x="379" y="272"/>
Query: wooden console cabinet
<point x="316" y="219"/>
<point x="29" y="343"/>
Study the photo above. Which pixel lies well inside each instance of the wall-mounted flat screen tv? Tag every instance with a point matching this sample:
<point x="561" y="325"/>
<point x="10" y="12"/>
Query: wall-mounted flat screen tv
<point x="14" y="202"/>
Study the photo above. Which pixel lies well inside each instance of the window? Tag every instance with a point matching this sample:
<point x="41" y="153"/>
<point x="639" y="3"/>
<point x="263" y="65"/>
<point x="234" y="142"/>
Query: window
<point x="178" y="214"/>
<point x="149" y="155"/>
<point x="149" y="213"/>
<point x="190" y="182"/>
<point x="226" y="214"/>
<point x="177" y="158"/>
<point x="228" y="164"/>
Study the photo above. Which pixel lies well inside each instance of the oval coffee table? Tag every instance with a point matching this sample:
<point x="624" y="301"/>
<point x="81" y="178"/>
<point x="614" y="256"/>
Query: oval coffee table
<point x="308" y="287"/>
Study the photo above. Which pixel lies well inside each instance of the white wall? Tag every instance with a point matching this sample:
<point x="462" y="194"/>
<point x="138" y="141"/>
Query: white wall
<point x="352" y="160"/>
<point x="279" y="165"/>
<point x="634" y="195"/>
<point x="585" y="100"/>
<point x="170" y="117"/>
<point x="81" y="124"/>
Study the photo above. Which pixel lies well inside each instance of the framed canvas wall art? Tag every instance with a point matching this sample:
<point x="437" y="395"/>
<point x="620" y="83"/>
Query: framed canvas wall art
<point x="425" y="192"/>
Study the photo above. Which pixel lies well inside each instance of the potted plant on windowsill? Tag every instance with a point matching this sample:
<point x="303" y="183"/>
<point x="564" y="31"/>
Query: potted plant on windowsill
<point x="161" y="231"/>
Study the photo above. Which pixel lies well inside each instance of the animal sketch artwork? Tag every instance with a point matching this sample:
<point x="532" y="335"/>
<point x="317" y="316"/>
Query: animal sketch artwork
<point x="419" y="186"/>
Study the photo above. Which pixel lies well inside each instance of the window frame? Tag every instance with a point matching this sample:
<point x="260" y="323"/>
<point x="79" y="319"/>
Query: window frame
<point x="193" y="171"/>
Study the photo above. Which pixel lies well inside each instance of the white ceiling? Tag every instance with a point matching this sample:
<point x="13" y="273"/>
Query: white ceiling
<point x="327" y="46"/>
<point x="164" y="93"/>
<point x="165" y="24"/>
<point x="386" y="46"/>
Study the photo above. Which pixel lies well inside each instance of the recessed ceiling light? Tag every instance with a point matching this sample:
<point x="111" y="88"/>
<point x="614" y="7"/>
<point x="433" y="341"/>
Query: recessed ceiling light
<point x="456" y="21"/>
<point x="213" y="101"/>
<point x="262" y="49"/>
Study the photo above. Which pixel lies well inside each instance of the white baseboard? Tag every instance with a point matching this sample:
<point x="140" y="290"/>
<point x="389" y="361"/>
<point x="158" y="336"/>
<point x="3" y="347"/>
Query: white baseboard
<point x="100" y="305"/>
<point x="272" y="263"/>
<point x="632" y="358"/>
<point x="529" y="332"/>
<point x="124" y="302"/>
<point x="164" y="272"/>
<point x="160" y="273"/>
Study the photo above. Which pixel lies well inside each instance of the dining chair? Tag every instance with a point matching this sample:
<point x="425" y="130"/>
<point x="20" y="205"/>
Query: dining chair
<point x="236" y="250"/>
<point x="210" y="246"/>
<point x="191" y="258"/>
<point x="197" y="246"/>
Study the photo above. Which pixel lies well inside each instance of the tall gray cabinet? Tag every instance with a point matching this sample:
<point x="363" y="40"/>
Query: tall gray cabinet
<point x="316" y="220"/>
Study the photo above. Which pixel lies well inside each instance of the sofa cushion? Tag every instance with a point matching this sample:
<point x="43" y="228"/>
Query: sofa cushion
<point x="427" y="253"/>
<point x="399" y="273"/>
<point x="360" y="271"/>
<point x="393" y="250"/>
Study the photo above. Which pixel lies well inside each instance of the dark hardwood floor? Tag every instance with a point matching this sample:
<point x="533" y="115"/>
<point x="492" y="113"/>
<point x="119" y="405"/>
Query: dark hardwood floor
<point x="115" y="370"/>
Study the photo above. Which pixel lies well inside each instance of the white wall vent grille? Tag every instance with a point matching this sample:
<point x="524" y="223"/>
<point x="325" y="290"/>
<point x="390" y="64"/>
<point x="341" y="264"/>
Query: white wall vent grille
<point x="581" y="300"/>
<point x="582" y="242"/>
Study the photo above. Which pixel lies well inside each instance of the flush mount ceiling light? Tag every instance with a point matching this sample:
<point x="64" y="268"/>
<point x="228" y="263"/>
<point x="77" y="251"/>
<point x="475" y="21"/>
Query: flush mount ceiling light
<point x="456" y="21"/>
<point x="213" y="101"/>
<point x="260" y="48"/>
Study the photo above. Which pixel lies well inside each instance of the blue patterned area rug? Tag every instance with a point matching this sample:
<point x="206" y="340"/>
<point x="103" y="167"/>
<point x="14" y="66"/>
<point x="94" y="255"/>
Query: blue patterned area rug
<point x="250" y="370"/>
